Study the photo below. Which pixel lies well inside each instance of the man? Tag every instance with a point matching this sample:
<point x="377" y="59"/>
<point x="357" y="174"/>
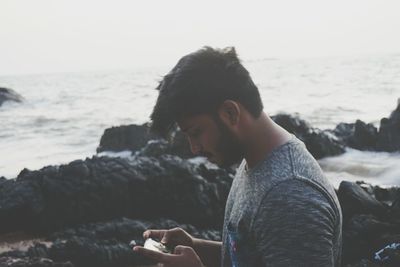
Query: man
<point x="281" y="210"/>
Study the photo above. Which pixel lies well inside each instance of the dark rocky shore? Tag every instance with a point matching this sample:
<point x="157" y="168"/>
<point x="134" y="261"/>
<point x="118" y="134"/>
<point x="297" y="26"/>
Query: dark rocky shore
<point x="86" y="212"/>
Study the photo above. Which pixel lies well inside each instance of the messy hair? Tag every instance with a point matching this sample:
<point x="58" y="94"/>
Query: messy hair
<point x="199" y="83"/>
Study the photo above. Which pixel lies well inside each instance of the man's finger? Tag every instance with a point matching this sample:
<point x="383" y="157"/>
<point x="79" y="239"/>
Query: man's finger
<point x="151" y="254"/>
<point x="171" y="235"/>
<point x="159" y="234"/>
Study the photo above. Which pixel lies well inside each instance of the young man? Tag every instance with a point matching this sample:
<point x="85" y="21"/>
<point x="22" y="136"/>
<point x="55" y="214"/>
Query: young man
<point x="281" y="210"/>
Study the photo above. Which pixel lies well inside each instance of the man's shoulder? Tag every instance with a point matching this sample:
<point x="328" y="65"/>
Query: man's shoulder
<point x="296" y="199"/>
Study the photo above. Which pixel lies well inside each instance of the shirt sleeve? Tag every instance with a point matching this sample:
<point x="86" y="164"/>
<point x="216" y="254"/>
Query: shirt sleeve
<point x="295" y="226"/>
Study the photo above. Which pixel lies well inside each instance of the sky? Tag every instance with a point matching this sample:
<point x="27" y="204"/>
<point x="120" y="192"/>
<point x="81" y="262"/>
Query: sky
<point x="45" y="36"/>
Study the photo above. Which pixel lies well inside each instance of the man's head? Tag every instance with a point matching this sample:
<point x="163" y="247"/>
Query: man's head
<point x="208" y="94"/>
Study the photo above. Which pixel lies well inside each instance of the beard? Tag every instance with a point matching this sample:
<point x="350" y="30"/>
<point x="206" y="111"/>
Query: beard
<point x="228" y="148"/>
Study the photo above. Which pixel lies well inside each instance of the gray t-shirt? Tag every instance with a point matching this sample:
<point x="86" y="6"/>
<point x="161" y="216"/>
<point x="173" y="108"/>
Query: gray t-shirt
<point x="282" y="212"/>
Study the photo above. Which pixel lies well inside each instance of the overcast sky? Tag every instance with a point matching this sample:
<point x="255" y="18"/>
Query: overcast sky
<point x="74" y="35"/>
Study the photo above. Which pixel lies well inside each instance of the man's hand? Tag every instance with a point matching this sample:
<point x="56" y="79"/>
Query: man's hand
<point x="172" y="237"/>
<point x="208" y="251"/>
<point x="183" y="257"/>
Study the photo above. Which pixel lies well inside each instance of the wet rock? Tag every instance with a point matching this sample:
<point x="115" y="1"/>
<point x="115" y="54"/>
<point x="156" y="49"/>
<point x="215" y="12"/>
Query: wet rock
<point x="364" y="263"/>
<point x="137" y="137"/>
<point x="395" y="208"/>
<point x="364" y="235"/>
<point x="358" y="135"/>
<point x="125" y="137"/>
<point x="322" y="144"/>
<point x="178" y="147"/>
<point x="293" y="124"/>
<point x="9" y="95"/>
<point x="365" y="136"/>
<point x="2" y="179"/>
<point x="389" y="132"/>
<point x="368" y="224"/>
<point x="319" y="143"/>
<point x="344" y="130"/>
<point x="354" y="200"/>
<point x="103" y="188"/>
<point x="384" y="195"/>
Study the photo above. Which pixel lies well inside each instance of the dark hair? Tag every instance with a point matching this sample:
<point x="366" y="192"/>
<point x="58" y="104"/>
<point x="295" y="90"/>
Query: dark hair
<point x="199" y="83"/>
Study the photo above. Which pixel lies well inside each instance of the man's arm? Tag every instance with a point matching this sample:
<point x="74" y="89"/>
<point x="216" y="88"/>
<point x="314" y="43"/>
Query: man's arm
<point x="296" y="226"/>
<point x="208" y="251"/>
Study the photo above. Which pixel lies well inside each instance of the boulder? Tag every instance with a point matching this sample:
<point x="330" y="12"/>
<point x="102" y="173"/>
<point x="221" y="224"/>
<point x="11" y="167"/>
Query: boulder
<point x="9" y="95"/>
<point x="365" y="136"/>
<point x="103" y="188"/>
<point x="319" y="143"/>
<point x="389" y="132"/>
<point x="363" y="235"/>
<point x="368" y="224"/>
<point x="293" y="124"/>
<point x="358" y="135"/>
<point x="322" y="144"/>
<point x="136" y="137"/>
<point x="355" y="200"/>
<point x="125" y="137"/>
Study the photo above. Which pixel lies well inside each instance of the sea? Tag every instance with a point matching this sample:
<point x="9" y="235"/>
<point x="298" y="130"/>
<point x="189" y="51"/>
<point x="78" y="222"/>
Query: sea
<point x="64" y="115"/>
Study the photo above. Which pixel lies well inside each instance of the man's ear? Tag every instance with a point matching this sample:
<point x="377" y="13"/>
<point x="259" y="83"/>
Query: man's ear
<point x="229" y="112"/>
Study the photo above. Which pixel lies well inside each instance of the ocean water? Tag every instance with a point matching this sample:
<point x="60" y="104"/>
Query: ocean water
<point x="64" y="115"/>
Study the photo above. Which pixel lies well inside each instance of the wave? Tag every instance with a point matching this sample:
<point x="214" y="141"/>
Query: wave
<point x="373" y="167"/>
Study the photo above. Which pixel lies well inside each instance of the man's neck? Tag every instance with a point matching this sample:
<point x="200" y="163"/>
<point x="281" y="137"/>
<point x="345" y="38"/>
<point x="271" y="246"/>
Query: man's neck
<point x="264" y="137"/>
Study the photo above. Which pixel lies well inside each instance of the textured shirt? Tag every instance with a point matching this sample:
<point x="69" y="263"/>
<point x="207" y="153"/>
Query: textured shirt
<point x="282" y="212"/>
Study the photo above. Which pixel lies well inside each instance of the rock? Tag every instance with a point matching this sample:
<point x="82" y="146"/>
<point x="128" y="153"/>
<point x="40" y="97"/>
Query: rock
<point x="2" y="179"/>
<point x="384" y="195"/>
<point x="358" y="135"/>
<point x="368" y="224"/>
<point x="125" y="137"/>
<point x="365" y="136"/>
<point x="364" y="263"/>
<point x="354" y="200"/>
<point x="293" y="124"/>
<point x="31" y="262"/>
<point x="9" y="95"/>
<point x="344" y="130"/>
<point x="363" y="235"/>
<point x="104" y="188"/>
<point x="319" y="143"/>
<point x="395" y="208"/>
<point x="136" y="137"/>
<point x="389" y="132"/>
